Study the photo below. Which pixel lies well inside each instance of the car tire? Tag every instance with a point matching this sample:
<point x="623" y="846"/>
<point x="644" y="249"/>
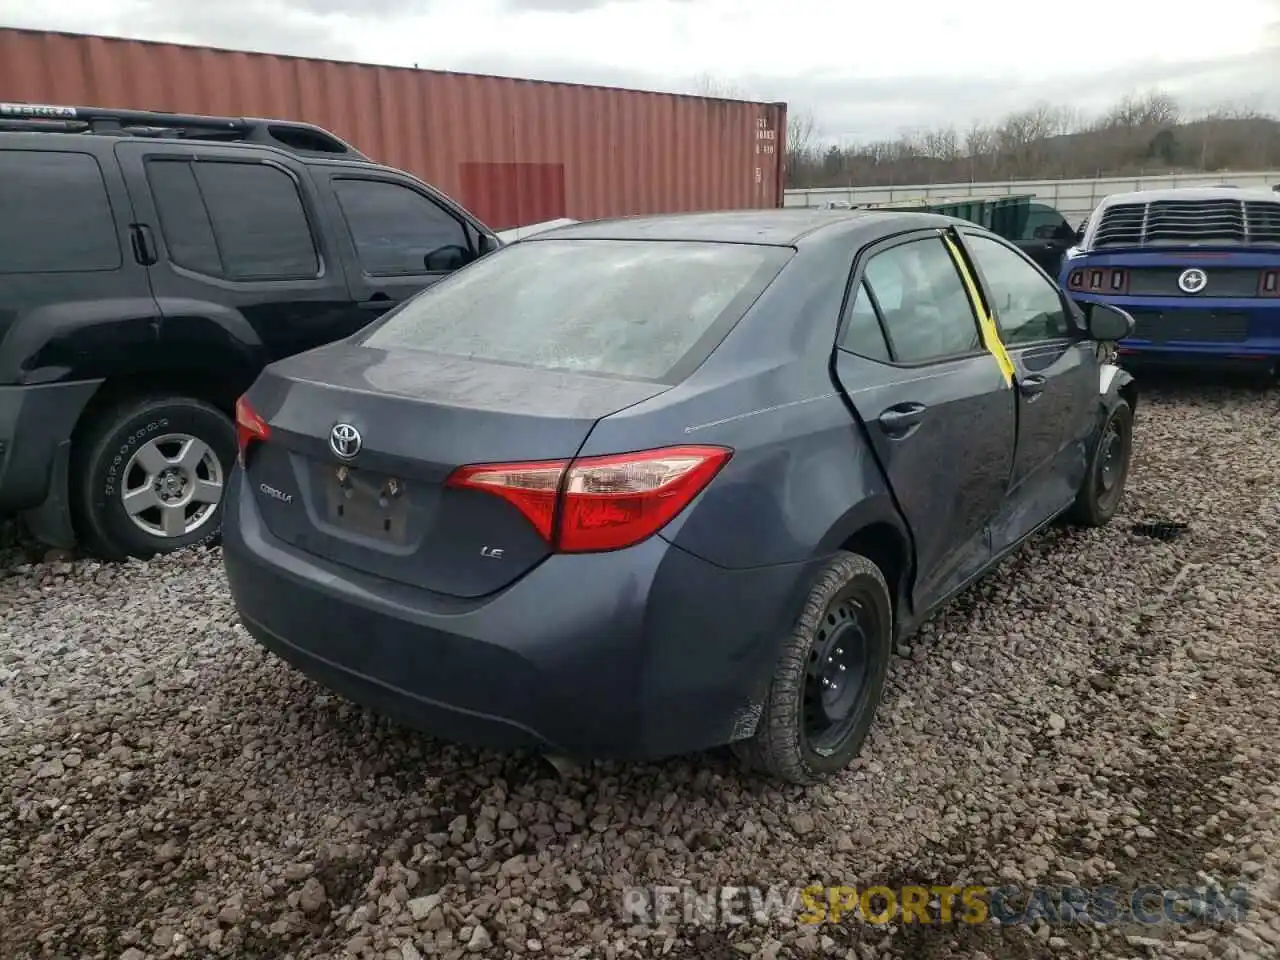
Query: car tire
<point x="1103" y="488"/>
<point x="178" y="448"/>
<point x="849" y="606"/>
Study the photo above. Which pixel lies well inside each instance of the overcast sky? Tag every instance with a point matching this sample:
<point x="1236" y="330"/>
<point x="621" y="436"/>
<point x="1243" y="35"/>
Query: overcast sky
<point x="865" y="70"/>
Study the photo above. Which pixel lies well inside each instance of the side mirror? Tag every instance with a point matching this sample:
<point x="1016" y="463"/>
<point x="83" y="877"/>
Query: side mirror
<point x="1108" y="323"/>
<point x="446" y="259"/>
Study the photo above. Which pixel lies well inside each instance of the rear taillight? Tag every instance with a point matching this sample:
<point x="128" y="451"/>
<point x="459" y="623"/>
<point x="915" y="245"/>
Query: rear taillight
<point x="1099" y="280"/>
<point x="599" y="503"/>
<point x="529" y="487"/>
<point x="1269" y="283"/>
<point x="250" y="428"/>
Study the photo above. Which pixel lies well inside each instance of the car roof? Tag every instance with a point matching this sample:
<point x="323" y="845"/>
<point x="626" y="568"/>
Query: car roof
<point x="774" y="227"/>
<point x="1224" y="192"/>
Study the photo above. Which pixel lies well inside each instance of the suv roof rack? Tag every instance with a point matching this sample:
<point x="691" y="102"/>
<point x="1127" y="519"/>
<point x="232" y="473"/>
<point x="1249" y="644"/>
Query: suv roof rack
<point x="301" y="138"/>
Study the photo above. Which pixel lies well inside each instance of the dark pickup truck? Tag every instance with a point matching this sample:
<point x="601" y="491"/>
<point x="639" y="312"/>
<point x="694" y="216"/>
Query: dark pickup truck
<point x="151" y="265"/>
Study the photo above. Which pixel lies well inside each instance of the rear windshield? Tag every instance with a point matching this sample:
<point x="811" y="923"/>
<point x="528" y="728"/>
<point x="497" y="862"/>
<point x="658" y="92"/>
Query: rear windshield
<point x="643" y="310"/>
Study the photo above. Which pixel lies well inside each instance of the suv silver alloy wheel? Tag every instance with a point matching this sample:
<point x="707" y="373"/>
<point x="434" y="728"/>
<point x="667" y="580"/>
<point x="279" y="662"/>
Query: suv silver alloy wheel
<point x="172" y="485"/>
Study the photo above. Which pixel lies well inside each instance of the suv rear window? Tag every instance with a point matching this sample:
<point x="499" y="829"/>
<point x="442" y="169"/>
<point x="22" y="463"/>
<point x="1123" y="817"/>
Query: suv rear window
<point x="647" y="310"/>
<point x="54" y="214"/>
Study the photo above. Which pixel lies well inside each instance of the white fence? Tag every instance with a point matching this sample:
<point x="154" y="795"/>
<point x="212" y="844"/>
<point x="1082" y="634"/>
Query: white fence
<point x="1075" y="198"/>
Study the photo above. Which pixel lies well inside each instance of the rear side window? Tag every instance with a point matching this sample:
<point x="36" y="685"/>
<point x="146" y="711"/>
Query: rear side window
<point x="396" y="229"/>
<point x="184" y="221"/>
<point x="637" y="309"/>
<point x="862" y="333"/>
<point x="927" y="312"/>
<point x="235" y="221"/>
<point x="54" y="214"/>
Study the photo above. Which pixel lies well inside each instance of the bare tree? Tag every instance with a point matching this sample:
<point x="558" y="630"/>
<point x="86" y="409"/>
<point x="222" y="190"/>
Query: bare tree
<point x="802" y="132"/>
<point x="1151" y="109"/>
<point x="706" y="85"/>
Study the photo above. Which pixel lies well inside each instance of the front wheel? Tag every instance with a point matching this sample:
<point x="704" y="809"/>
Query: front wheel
<point x="829" y="679"/>
<point x="1103" y="488"/>
<point x="150" y="477"/>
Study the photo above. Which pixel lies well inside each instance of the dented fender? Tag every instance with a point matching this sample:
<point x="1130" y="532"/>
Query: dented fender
<point x="1115" y="383"/>
<point x="1112" y="380"/>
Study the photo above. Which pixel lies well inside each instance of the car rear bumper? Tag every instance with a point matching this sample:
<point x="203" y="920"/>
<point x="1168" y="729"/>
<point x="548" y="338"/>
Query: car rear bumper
<point x="36" y="422"/>
<point x="1260" y="353"/>
<point x="637" y="654"/>
<point x="1203" y="331"/>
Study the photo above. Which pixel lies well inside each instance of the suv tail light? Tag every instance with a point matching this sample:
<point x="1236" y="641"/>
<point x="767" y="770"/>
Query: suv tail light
<point x="250" y="428"/>
<point x="1269" y="283"/>
<point x="599" y="503"/>
<point x="1099" y="280"/>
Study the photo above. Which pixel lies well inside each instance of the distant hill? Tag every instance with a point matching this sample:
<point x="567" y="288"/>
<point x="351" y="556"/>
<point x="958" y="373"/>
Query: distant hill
<point x="1137" y="137"/>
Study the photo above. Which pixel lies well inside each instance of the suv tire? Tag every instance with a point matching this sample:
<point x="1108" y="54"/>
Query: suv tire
<point x="1103" y="488"/>
<point x="150" y="475"/>
<point x="834" y="662"/>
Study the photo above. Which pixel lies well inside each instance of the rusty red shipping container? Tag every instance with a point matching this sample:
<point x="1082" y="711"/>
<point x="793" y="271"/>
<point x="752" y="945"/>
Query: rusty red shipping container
<point x="513" y="151"/>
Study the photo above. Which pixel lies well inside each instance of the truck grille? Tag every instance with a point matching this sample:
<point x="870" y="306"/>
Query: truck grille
<point x="1174" y="222"/>
<point x="1177" y="326"/>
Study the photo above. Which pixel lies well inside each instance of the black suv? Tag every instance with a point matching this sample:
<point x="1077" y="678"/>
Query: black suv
<point x="151" y="265"/>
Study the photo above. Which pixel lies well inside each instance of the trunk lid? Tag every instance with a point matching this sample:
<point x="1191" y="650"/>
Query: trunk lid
<point x="385" y="510"/>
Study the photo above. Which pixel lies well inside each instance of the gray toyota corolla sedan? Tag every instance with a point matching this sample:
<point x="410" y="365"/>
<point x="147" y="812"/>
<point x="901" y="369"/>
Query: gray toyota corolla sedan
<point x="641" y="487"/>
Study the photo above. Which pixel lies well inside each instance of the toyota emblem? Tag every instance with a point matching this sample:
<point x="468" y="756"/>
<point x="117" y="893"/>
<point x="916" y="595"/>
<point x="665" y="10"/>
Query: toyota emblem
<point x="345" y="441"/>
<point x="1193" y="280"/>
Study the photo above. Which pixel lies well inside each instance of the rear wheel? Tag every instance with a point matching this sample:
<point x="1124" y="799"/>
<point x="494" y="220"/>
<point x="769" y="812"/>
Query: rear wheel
<point x="1103" y="488"/>
<point x="150" y="477"/>
<point x="829" y="680"/>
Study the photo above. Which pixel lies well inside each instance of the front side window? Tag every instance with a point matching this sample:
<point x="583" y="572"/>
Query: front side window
<point x="1028" y="309"/>
<point x="638" y="309"/>
<point x="399" y="232"/>
<point x="1045" y="223"/>
<point x="926" y="310"/>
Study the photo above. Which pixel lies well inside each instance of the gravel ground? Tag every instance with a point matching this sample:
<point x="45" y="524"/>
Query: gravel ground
<point x="1104" y="709"/>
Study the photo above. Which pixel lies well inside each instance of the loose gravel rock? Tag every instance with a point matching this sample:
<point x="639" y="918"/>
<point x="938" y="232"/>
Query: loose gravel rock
<point x="1103" y="709"/>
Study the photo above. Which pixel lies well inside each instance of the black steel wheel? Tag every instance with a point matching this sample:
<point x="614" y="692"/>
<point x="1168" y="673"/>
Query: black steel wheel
<point x="1103" y="488"/>
<point x="829" y="678"/>
<point x="837" y="672"/>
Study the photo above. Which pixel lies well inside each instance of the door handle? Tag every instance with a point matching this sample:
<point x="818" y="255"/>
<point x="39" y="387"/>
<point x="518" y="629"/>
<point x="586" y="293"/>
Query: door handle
<point x="379" y="301"/>
<point x="899" y="419"/>
<point x="144" y="248"/>
<point x="1032" y="386"/>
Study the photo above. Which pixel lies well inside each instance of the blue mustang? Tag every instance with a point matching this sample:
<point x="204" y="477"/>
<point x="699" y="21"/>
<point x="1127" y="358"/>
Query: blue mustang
<point x="1198" y="268"/>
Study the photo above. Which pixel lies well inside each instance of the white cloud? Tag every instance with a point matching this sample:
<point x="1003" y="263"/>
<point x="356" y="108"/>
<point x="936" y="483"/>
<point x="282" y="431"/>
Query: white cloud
<point x="865" y="70"/>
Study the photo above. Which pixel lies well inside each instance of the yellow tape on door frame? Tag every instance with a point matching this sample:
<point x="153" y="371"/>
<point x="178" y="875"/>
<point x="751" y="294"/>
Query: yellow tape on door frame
<point x="990" y="332"/>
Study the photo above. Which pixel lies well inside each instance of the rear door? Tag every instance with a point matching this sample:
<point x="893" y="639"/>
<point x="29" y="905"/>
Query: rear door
<point x="1056" y="372"/>
<point x="396" y="237"/>
<point x="238" y="248"/>
<point x="937" y="405"/>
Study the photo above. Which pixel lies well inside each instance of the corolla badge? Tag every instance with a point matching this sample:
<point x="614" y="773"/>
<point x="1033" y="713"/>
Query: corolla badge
<point x="276" y="494"/>
<point x="1193" y="280"/>
<point x="345" y="440"/>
